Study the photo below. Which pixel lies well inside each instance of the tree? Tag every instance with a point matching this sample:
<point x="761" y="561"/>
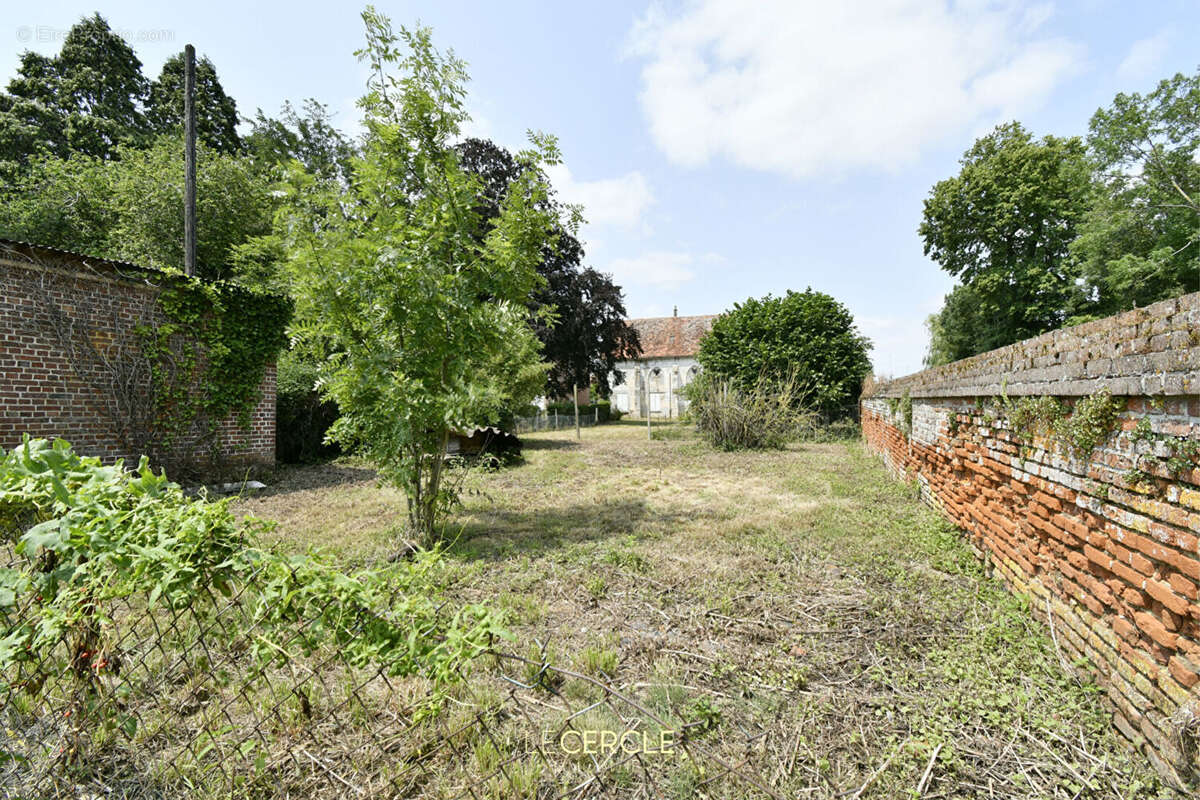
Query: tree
<point x="233" y="204"/>
<point x="1140" y="240"/>
<point x="309" y="138"/>
<point x="1003" y="226"/>
<point x="131" y="208"/>
<point x="587" y="334"/>
<point x="952" y="330"/>
<point x="216" y="112"/>
<point x="426" y="323"/>
<point x="86" y="100"/>
<point x="590" y="335"/>
<point x="806" y="334"/>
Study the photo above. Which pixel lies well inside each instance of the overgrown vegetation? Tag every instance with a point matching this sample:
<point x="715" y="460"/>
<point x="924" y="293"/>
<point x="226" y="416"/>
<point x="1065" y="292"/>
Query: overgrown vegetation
<point x="1173" y="454"/>
<point x="1077" y="430"/>
<point x="98" y="553"/>
<point x="218" y="338"/>
<point x="766" y="415"/>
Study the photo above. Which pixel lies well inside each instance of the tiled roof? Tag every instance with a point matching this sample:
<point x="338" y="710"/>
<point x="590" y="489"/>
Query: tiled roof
<point x="663" y="337"/>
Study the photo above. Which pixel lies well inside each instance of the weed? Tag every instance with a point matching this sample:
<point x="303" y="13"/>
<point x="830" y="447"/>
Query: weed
<point x="597" y="587"/>
<point x="628" y="559"/>
<point x="1143" y="431"/>
<point x="703" y="717"/>
<point x="767" y="415"/>
<point x="1090" y="423"/>
<point x="598" y="660"/>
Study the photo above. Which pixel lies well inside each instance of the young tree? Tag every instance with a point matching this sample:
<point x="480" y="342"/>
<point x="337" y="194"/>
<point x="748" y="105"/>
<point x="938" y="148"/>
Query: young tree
<point x="587" y="334"/>
<point x="1003" y="226"/>
<point x="426" y="322"/>
<point x="806" y="336"/>
<point x="1140" y="240"/>
<point x="216" y="112"/>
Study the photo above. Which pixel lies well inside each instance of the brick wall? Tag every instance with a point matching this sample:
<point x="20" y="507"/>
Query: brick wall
<point x="1109" y="560"/>
<point x="48" y="298"/>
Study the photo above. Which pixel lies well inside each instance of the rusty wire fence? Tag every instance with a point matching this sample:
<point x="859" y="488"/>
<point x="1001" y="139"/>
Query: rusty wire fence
<point x="180" y="703"/>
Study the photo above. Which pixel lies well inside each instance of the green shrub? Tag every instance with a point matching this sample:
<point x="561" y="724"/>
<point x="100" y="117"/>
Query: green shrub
<point x="806" y="333"/>
<point x="768" y="415"/>
<point x="302" y="418"/>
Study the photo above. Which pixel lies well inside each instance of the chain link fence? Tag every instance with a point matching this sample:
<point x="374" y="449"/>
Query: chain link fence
<point x="181" y="703"/>
<point x="553" y="421"/>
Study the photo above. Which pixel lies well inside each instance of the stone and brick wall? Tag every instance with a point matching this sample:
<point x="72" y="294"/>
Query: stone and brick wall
<point x="53" y="303"/>
<point x="1104" y="544"/>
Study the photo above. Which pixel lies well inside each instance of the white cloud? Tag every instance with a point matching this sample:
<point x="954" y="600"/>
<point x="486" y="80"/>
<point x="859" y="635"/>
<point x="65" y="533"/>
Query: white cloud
<point x="620" y="201"/>
<point x="1144" y="57"/>
<point x="661" y="269"/>
<point x="803" y="88"/>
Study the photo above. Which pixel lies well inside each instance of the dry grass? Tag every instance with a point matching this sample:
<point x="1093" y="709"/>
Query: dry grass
<point x="799" y="603"/>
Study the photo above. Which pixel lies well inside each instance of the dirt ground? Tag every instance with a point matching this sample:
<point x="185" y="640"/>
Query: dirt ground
<point x="801" y="603"/>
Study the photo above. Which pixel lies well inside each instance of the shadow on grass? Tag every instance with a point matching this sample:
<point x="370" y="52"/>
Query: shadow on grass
<point x="302" y="477"/>
<point x="551" y="444"/>
<point x="497" y="533"/>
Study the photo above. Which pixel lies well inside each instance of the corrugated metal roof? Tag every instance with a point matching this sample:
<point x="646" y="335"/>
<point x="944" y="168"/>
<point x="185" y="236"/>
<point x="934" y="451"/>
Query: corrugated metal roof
<point x="30" y="250"/>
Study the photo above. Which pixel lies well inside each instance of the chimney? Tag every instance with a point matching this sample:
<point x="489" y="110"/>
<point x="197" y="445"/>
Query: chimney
<point x="676" y="311"/>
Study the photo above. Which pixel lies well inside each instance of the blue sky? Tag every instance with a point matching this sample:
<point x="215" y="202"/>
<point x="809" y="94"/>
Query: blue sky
<point x="722" y="149"/>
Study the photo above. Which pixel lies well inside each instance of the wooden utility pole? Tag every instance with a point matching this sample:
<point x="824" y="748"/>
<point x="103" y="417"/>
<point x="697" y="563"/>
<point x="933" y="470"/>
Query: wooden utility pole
<point x="189" y="160"/>
<point x="575" y="395"/>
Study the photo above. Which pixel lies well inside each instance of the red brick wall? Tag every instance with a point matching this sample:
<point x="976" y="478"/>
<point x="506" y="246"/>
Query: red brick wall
<point x="1114" y="567"/>
<point x="42" y="392"/>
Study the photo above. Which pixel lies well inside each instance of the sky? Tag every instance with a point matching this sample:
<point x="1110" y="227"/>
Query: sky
<point x="722" y="149"/>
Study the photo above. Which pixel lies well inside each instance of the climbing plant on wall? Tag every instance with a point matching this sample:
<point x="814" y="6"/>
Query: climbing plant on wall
<point x="162" y="358"/>
<point x="210" y="353"/>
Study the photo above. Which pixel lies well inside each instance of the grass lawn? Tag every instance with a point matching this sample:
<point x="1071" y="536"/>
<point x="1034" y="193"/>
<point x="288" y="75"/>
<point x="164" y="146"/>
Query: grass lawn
<point x="804" y="612"/>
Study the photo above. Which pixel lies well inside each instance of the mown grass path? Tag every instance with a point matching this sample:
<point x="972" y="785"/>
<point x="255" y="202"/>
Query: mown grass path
<point x="801" y="599"/>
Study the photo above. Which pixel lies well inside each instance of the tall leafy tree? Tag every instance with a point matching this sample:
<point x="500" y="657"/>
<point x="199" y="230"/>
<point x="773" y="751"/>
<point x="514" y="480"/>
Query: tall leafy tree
<point x="953" y="329"/>
<point x="85" y="100"/>
<point x="216" y="112"/>
<point x="426" y="322"/>
<point x="1140" y="240"/>
<point x="1003" y="227"/>
<point x="308" y="136"/>
<point x="807" y="335"/>
<point x="131" y="207"/>
<point x="587" y="333"/>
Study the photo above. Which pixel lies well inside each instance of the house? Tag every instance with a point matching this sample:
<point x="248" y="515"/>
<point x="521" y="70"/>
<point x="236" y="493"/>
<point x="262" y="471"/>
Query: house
<point x="666" y="365"/>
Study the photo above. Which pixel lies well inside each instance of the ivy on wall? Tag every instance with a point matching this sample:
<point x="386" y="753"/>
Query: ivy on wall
<point x="209" y="356"/>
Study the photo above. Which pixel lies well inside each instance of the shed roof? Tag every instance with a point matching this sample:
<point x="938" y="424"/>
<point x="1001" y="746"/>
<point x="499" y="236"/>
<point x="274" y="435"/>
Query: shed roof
<point x="671" y="336"/>
<point x="44" y="254"/>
